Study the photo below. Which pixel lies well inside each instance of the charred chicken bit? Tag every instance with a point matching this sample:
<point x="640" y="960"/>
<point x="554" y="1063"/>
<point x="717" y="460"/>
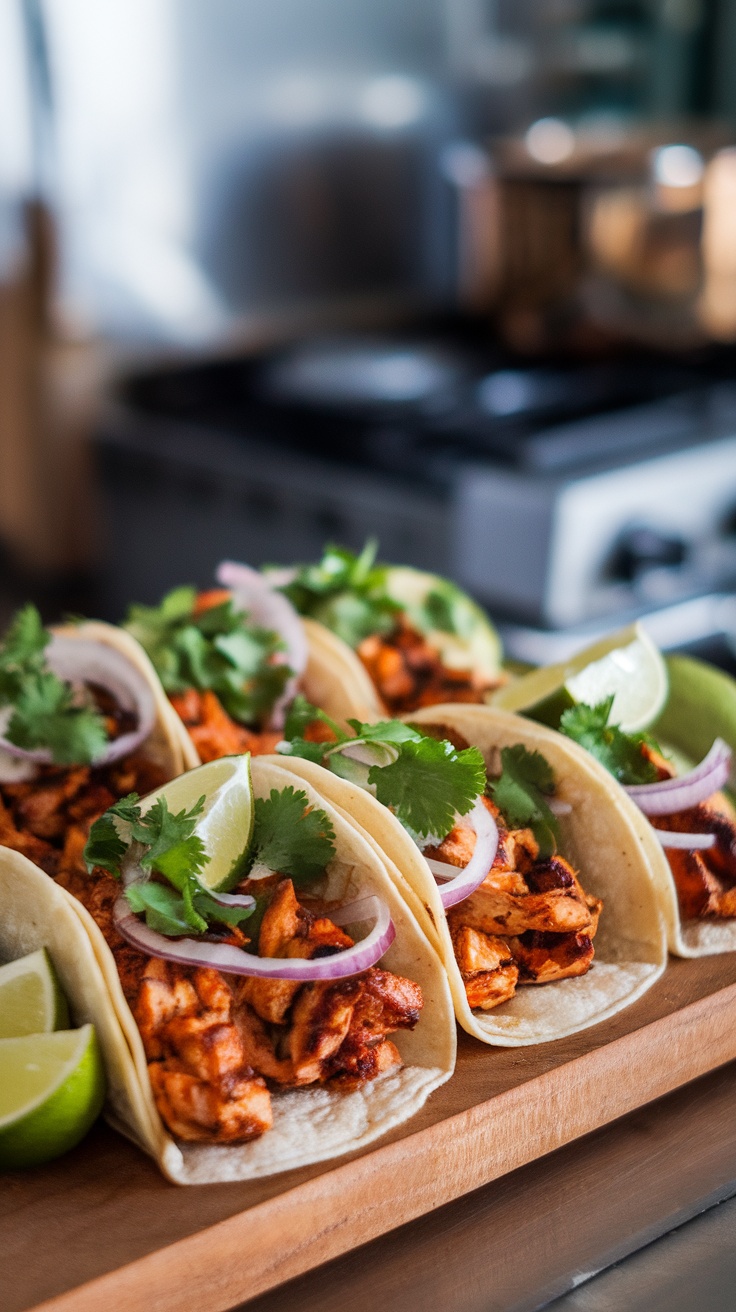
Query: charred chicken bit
<point x="529" y="922"/>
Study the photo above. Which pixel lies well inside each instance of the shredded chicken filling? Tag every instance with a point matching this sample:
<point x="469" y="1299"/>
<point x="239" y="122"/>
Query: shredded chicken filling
<point x="218" y="1045"/>
<point x="529" y="922"/>
<point x="408" y="672"/>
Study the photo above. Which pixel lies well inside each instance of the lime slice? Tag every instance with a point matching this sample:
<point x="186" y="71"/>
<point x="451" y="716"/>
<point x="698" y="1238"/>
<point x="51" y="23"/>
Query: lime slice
<point x="451" y="621"/>
<point x="226" y="824"/>
<point x="31" y="1000"/>
<point x="626" y="664"/>
<point x="51" y="1091"/>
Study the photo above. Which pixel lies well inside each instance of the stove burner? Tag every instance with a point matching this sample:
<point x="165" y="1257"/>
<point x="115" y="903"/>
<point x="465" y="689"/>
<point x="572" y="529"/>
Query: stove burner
<point x="358" y="374"/>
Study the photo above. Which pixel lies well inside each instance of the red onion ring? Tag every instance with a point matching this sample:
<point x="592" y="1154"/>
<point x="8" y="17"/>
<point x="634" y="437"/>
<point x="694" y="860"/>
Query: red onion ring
<point x="670" y="795"/>
<point x="690" y="842"/>
<point x="269" y="609"/>
<point x="81" y="660"/>
<point x="233" y="961"/>
<point x="464" y="881"/>
<point x="242" y="900"/>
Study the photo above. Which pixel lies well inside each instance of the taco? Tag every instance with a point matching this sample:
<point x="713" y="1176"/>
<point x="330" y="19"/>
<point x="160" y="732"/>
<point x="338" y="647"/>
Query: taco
<point x="232" y="658"/>
<point x="687" y="821"/>
<point x="83" y="722"/>
<point x="225" y="1064"/>
<point x="420" y="639"/>
<point x="547" y="914"/>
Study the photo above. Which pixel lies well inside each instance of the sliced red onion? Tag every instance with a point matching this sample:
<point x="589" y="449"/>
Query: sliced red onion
<point x="461" y="882"/>
<point x="233" y="961"/>
<point x="81" y="661"/>
<point x="668" y="796"/>
<point x="269" y="609"/>
<point x="242" y="900"/>
<point x="690" y="842"/>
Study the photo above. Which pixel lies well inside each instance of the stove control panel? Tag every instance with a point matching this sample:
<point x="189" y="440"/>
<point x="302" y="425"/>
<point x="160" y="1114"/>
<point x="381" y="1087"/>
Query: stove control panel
<point x="562" y="551"/>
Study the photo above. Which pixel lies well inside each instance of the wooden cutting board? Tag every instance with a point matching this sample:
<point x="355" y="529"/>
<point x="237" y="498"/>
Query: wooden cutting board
<point x="101" y="1228"/>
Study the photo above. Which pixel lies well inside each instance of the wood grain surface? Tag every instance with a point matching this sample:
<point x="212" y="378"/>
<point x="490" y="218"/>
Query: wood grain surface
<point x="100" y="1227"/>
<point x="522" y="1241"/>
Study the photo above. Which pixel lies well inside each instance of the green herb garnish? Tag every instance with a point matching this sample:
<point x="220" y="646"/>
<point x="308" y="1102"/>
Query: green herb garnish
<point x="425" y="782"/>
<point x="620" y="752"/>
<point x="346" y="593"/>
<point x="521" y="792"/>
<point x="217" y="650"/>
<point x="167" y="847"/>
<point x="289" y="837"/>
<point x="46" y="711"/>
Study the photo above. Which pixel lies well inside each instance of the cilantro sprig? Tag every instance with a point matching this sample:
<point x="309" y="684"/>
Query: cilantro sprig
<point x="164" y="844"/>
<point x="289" y="837"/>
<point x="621" y="753"/>
<point x="425" y="782"/>
<point x="345" y="592"/>
<point x="521" y="791"/>
<point x="46" y="711"/>
<point x="216" y="649"/>
<point x="292" y="837"/>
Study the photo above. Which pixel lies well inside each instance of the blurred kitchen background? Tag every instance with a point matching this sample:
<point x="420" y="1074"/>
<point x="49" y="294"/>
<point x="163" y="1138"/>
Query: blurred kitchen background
<point x="460" y="274"/>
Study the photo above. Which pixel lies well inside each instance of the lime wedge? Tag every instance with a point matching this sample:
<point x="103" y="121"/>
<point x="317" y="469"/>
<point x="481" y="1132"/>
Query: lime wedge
<point x="226" y="824"/>
<point x="626" y="664"/>
<point x="31" y="1000"/>
<point x="51" y="1091"/>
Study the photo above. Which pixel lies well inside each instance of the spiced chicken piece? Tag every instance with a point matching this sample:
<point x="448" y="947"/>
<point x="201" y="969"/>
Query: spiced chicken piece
<point x="542" y="958"/>
<point x="529" y="922"/>
<point x="408" y="672"/>
<point x="204" y="1087"/>
<point x="489" y="972"/>
<point x="213" y="732"/>
<point x="287" y="930"/>
<point x="705" y="878"/>
<point x="215" y="1043"/>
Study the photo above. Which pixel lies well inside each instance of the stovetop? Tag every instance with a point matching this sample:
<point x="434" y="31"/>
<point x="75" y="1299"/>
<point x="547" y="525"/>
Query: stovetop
<point x="415" y="406"/>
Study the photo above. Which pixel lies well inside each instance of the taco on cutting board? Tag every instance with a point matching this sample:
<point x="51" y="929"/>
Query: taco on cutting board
<point x="263" y="996"/>
<point x="517" y="852"/>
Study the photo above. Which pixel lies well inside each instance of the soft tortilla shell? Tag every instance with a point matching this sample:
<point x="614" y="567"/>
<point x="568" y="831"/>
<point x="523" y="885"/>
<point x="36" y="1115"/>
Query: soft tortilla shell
<point x="310" y="1125"/>
<point x="335" y="678"/>
<point x="603" y="837"/>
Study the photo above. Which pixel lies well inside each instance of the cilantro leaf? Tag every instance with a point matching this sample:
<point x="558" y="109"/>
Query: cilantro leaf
<point x="106" y="846"/>
<point x="46" y="711"/>
<point x="526" y="780"/>
<point x="169" y="849"/>
<point x="215" y="649"/>
<point x="290" y="836"/>
<point x="429" y="783"/>
<point x="45" y="715"/>
<point x="345" y="592"/>
<point x="162" y="906"/>
<point x="621" y="753"/>
<point x="173" y="849"/>
<point x="22" y="651"/>
<point x="300" y="716"/>
<point x="302" y="713"/>
<point x="425" y="783"/>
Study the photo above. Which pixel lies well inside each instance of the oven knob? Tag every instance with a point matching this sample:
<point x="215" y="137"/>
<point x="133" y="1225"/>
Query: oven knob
<point x="640" y="549"/>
